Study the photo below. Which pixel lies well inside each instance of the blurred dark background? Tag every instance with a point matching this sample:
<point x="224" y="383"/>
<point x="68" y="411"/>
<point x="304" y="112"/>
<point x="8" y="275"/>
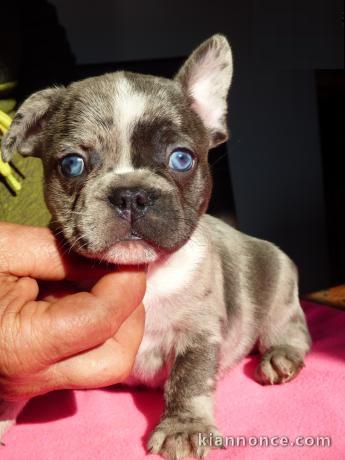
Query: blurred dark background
<point x="280" y="177"/>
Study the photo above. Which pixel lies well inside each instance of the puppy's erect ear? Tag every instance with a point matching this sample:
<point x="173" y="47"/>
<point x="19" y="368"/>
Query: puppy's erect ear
<point x="24" y="135"/>
<point x="206" y="77"/>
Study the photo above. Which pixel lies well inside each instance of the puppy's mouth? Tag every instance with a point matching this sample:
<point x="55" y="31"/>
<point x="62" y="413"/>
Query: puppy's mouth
<point x="133" y="236"/>
<point x="131" y="249"/>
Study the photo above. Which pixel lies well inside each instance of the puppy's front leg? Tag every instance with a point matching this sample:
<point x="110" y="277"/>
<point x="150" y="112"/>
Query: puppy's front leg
<point x="188" y="415"/>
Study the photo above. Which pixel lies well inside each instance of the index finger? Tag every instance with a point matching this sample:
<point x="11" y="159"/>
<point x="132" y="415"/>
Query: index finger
<point x="35" y="252"/>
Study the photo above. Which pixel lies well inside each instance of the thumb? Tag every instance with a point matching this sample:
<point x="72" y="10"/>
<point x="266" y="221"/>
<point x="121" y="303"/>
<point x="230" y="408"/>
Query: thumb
<point x="84" y="320"/>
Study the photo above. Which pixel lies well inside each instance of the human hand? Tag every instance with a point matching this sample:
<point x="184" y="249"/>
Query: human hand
<point x="63" y="339"/>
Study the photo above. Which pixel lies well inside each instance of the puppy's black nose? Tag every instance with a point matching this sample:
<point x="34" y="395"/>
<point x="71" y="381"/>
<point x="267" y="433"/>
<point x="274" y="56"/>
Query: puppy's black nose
<point x="131" y="203"/>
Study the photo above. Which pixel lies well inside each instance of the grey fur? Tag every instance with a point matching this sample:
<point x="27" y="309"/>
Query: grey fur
<point x="212" y="292"/>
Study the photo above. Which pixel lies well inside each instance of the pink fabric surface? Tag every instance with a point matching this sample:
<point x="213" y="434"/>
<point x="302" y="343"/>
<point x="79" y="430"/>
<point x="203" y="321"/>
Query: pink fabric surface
<point x="115" y="423"/>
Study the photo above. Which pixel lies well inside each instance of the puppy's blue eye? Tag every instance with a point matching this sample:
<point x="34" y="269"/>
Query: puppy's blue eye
<point x="181" y="160"/>
<point x="72" y="166"/>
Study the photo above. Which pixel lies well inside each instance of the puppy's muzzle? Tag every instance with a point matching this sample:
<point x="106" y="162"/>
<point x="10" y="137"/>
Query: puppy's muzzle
<point x="131" y="203"/>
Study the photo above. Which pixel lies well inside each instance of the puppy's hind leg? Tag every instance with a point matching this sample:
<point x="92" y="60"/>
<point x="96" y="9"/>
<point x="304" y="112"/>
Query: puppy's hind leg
<point x="284" y="340"/>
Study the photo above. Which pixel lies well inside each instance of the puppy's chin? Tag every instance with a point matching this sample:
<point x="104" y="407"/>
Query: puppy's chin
<point x="130" y="253"/>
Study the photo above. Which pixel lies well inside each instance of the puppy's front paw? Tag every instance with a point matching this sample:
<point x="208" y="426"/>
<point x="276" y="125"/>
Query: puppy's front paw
<point x="279" y="365"/>
<point x="178" y="437"/>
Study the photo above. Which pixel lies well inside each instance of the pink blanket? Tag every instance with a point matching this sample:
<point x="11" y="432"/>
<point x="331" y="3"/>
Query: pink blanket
<point x="115" y="423"/>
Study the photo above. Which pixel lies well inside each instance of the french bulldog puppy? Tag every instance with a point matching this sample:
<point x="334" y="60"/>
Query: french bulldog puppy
<point x="127" y="180"/>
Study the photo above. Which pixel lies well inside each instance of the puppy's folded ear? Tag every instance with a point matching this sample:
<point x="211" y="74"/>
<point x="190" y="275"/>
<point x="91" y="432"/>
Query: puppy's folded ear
<point x="25" y="133"/>
<point x="206" y="77"/>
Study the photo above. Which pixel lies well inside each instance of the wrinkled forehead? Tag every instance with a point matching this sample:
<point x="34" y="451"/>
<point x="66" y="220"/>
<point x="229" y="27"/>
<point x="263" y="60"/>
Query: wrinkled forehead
<point x="116" y="108"/>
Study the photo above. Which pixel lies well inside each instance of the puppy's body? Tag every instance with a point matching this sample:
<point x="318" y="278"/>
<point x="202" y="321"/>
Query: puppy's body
<point x="200" y="292"/>
<point x="127" y="181"/>
<point x="219" y="295"/>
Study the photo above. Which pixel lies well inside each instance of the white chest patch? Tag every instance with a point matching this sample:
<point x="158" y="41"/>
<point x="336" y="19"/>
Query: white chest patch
<point x="167" y="282"/>
<point x="167" y="279"/>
